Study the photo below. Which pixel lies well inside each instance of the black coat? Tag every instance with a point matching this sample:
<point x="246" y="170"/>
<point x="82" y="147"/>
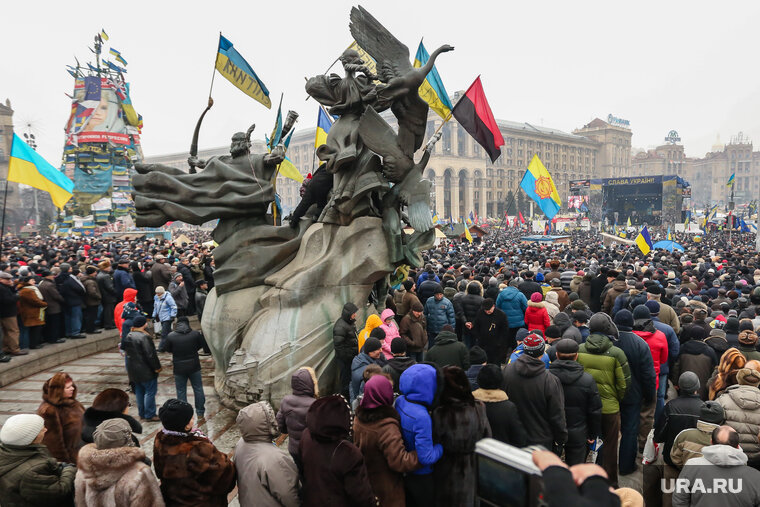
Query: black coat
<point x="503" y="417"/>
<point x="470" y="304"/>
<point x="142" y="360"/>
<point x="184" y="344"/>
<point x="427" y="290"/>
<point x="583" y="406"/>
<point x="345" y="338"/>
<point x="72" y="292"/>
<point x="8" y="302"/>
<point x="539" y="398"/>
<point x="643" y="379"/>
<point x="316" y="192"/>
<point x="187" y="277"/>
<point x="528" y="287"/>
<point x="144" y="285"/>
<point x="597" y="287"/>
<point x="698" y="357"/>
<point x="492" y="331"/>
<point x="107" y="291"/>
<point x="680" y="414"/>
<point x="396" y="366"/>
<point x="93" y="417"/>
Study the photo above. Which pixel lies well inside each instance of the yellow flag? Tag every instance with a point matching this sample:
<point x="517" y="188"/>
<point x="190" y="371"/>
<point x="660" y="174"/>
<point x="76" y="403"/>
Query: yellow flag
<point x="289" y="170"/>
<point x="467" y="233"/>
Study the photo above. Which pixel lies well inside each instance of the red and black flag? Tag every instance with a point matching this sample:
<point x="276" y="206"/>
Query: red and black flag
<point x="475" y="115"/>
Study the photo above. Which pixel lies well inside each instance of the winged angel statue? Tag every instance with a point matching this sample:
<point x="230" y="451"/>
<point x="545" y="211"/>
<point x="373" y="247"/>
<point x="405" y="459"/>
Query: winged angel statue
<point x="360" y="134"/>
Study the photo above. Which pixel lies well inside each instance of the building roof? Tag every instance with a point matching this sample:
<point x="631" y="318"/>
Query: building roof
<point x="534" y="129"/>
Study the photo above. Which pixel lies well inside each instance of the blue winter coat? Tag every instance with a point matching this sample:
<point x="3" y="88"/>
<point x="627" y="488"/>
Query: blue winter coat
<point x="165" y="309"/>
<point x="418" y="386"/>
<point x="514" y="303"/>
<point x="122" y="279"/>
<point x="358" y="363"/>
<point x="438" y="314"/>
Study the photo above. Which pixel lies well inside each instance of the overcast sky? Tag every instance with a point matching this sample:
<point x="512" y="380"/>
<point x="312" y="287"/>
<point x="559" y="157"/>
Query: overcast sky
<point x="683" y="65"/>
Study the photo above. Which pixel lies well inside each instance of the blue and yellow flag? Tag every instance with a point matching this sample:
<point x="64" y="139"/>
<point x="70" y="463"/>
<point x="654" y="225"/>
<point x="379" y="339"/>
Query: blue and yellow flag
<point x="103" y="34"/>
<point x="323" y="127"/>
<point x="467" y="233"/>
<point x="435" y="218"/>
<point x="26" y="166"/>
<point x="538" y="184"/>
<point x="289" y="170"/>
<point x="731" y="180"/>
<point x="432" y="90"/>
<point x="233" y="66"/>
<point x="644" y="241"/>
<point x="276" y="135"/>
<point x="670" y="237"/>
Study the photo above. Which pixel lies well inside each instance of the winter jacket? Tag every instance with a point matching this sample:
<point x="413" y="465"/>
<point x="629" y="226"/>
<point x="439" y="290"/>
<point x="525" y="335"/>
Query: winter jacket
<point x="471" y="301"/>
<point x="528" y="288"/>
<point x="679" y="414"/>
<point x="184" y="344"/>
<point x="609" y="367"/>
<point x="617" y="288"/>
<point x="377" y="434"/>
<point x="728" y="465"/>
<point x="164" y="308"/>
<point x="358" y="365"/>
<point x="373" y="321"/>
<point x="520" y="350"/>
<point x="93" y="417"/>
<point x="179" y="294"/>
<point x="162" y="275"/>
<point x="748" y="351"/>
<point x="130" y="296"/>
<point x="643" y="385"/>
<point x="344" y="333"/>
<point x="396" y="366"/>
<point x="391" y="332"/>
<point x="419" y="385"/>
<point x="63" y="420"/>
<point x="583" y="406"/>
<point x="551" y="303"/>
<point x="107" y="288"/>
<point x="407" y="300"/>
<point x="266" y="475"/>
<point x="438" y="314"/>
<point x="51" y="296"/>
<point x="562" y="321"/>
<point x="192" y="471"/>
<point x="8" y="300"/>
<point x="674" y="346"/>
<point x="70" y="289"/>
<point x="539" y="399"/>
<point x="742" y="407"/>
<point x="142" y="360"/>
<point x="563" y="299"/>
<point x="503" y="417"/>
<point x="448" y="351"/>
<point x="31" y="477"/>
<point x="513" y="303"/>
<point x="698" y="357"/>
<point x="458" y="425"/>
<point x="491" y="333"/>
<point x="413" y="331"/>
<point x="426" y="289"/>
<point x="31" y="306"/>
<point x="690" y="442"/>
<point x="333" y="469"/>
<point x="122" y="279"/>
<point x="667" y="314"/>
<point x="92" y="295"/>
<point x="116" y="477"/>
<point x="291" y="418"/>
<point x="658" y="344"/>
<point x="536" y="316"/>
<point x="144" y="286"/>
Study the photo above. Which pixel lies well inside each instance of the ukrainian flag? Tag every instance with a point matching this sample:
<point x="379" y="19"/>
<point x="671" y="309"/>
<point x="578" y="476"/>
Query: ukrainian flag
<point x="432" y="90"/>
<point x="435" y="219"/>
<point x="233" y="66"/>
<point x="26" y="166"/>
<point x="289" y="170"/>
<point x="538" y="184"/>
<point x="467" y="234"/>
<point x="731" y="180"/>
<point x="323" y="127"/>
<point x="644" y="241"/>
<point x="670" y="237"/>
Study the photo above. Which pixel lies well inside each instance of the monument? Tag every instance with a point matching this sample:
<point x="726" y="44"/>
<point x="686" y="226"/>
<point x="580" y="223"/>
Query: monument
<point x="279" y="289"/>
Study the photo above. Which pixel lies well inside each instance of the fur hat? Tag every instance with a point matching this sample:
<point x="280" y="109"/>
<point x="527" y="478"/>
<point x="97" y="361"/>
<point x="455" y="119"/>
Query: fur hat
<point x="748" y="377"/>
<point x="21" y="429"/>
<point x="748" y="338"/>
<point x="113" y="433"/>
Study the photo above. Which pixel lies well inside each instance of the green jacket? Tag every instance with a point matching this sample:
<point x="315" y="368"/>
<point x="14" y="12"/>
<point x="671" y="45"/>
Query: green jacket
<point x="609" y="367"/>
<point x="30" y="476"/>
<point x="749" y="352"/>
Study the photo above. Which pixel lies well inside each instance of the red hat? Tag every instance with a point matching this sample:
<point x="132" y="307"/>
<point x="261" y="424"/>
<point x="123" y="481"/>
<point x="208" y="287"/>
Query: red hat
<point x="536" y="297"/>
<point x="533" y="342"/>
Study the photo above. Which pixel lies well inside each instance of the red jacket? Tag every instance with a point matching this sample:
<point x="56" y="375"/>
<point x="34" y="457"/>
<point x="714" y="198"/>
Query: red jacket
<point x="536" y="316"/>
<point x="129" y="297"/>
<point x="658" y="346"/>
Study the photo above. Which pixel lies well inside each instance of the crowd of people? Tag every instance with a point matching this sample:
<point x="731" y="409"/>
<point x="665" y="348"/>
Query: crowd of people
<point x="602" y="356"/>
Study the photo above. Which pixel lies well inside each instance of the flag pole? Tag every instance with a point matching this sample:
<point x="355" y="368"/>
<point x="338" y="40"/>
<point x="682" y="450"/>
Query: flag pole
<point x="5" y="200"/>
<point x="192" y="161"/>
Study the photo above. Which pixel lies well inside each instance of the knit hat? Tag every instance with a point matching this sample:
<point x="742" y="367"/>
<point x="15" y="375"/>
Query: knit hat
<point x="378" y="333"/>
<point x="536" y="297"/>
<point x="417" y="307"/>
<point x="521" y="334"/>
<point x="398" y="345"/>
<point x="566" y="346"/>
<point x="581" y="317"/>
<point x="654" y="306"/>
<point x="602" y="323"/>
<point x="21" y="429"/>
<point x="712" y="412"/>
<point x="478" y="355"/>
<point x="539" y="277"/>
<point x="489" y="377"/>
<point x="553" y="331"/>
<point x="748" y="377"/>
<point x="113" y="433"/>
<point x="175" y="414"/>
<point x="688" y="382"/>
<point x="160" y="290"/>
<point x="139" y="321"/>
<point x="378" y="391"/>
<point x="533" y="344"/>
<point x="448" y="327"/>
<point x="372" y="344"/>
<point x="641" y="312"/>
<point x="438" y="289"/>
<point x="748" y="338"/>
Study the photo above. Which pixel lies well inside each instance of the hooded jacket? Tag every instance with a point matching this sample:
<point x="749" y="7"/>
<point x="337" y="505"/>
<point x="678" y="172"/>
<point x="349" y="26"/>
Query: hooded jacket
<point x="130" y="296"/>
<point x="266" y="475"/>
<point x="391" y="332"/>
<point x="358" y="365"/>
<point x="334" y="472"/>
<point x="551" y="303"/>
<point x="184" y="344"/>
<point x="30" y="476"/>
<point x="658" y="344"/>
<point x="448" y="351"/>
<point x="537" y="317"/>
<point x="608" y="366"/>
<point x="63" y="420"/>
<point x="397" y="366"/>
<point x="414" y="333"/>
<point x="539" y="399"/>
<point x="373" y="321"/>
<point x="742" y="407"/>
<point x="291" y="418"/>
<point x="727" y="464"/>
<point x="513" y="303"/>
<point x="583" y="406"/>
<point x="562" y="321"/>
<point x="344" y="333"/>
<point x="419" y="385"/>
<point x="116" y="477"/>
<point x="698" y="357"/>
